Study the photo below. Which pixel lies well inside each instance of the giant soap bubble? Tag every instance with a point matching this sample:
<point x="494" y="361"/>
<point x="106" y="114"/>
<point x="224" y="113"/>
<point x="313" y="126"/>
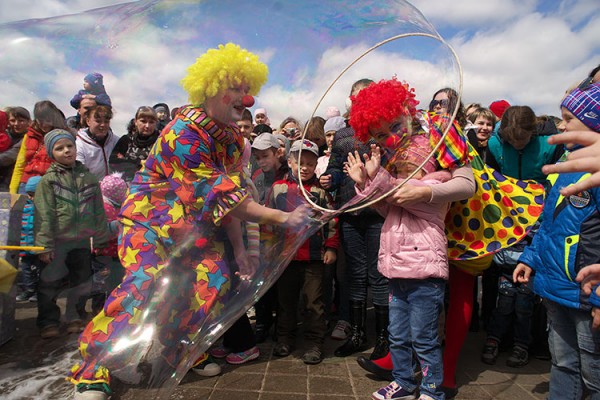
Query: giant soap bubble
<point x="315" y="50"/>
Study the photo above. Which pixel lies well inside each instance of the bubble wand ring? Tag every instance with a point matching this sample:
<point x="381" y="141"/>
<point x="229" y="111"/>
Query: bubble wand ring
<point x="431" y="154"/>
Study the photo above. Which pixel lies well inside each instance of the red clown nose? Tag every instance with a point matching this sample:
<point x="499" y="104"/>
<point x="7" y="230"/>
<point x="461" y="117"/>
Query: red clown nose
<point x="392" y="142"/>
<point x="248" y="101"/>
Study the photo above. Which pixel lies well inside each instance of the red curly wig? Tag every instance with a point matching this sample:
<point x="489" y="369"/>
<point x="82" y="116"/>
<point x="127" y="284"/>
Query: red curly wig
<point x="385" y="100"/>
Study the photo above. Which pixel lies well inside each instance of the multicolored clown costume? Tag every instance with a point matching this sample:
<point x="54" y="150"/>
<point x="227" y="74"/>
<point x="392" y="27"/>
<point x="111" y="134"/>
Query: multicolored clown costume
<point x="171" y="244"/>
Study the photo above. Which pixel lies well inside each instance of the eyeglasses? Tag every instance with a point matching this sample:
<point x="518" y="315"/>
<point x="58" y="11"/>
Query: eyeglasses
<point x="442" y="103"/>
<point x="585" y="84"/>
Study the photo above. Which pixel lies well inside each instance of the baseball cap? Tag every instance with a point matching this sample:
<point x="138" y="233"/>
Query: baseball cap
<point x="306" y="145"/>
<point x="265" y="141"/>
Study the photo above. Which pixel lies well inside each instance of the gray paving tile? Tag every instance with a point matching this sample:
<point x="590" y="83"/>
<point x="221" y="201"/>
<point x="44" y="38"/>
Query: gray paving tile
<point x="285" y="384"/>
<point x="288" y="366"/>
<point x="329" y="385"/>
<point x="240" y="381"/>
<point x="222" y="394"/>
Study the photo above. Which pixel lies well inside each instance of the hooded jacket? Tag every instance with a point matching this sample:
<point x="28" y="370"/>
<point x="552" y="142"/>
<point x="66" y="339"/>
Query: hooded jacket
<point x="69" y="208"/>
<point x="93" y="155"/>
<point x="413" y="244"/>
<point x="566" y="242"/>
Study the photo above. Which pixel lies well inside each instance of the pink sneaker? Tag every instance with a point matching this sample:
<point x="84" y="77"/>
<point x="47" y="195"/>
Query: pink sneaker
<point x="220" y="351"/>
<point x="243" y="357"/>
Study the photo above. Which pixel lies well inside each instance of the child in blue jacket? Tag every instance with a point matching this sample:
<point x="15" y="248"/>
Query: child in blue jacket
<point x="30" y="263"/>
<point x="566" y="242"/>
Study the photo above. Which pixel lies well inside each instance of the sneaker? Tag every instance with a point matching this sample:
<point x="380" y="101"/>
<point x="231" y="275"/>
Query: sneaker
<point x="24" y="296"/>
<point x="489" y="355"/>
<point x="393" y="391"/>
<point x="75" y="326"/>
<point x="33" y="299"/>
<point x="93" y="391"/>
<point x="518" y="358"/>
<point x="49" y="332"/>
<point x="220" y="352"/>
<point x="205" y="366"/>
<point x="425" y="397"/>
<point x="243" y="357"/>
<point x="341" y="330"/>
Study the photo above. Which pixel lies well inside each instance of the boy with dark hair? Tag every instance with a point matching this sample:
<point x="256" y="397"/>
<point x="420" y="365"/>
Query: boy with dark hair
<point x="305" y="273"/>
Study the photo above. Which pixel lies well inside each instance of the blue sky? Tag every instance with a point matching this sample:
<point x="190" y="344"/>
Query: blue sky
<point x="525" y="51"/>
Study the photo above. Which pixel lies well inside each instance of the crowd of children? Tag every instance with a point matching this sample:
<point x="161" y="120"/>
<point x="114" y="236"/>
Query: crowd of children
<point x="77" y="205"/>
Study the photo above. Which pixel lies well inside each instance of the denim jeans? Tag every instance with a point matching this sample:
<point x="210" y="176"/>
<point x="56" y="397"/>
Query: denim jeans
<point x="360" y="238"/>
<point x="575" y="350"/>
<point x="515" y="307"/>
<point x="415" y="307"/>
<point x="29" y="271"/>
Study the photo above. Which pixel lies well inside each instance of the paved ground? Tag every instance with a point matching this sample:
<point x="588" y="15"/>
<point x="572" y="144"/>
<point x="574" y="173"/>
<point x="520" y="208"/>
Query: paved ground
<point x="30" y="368"/>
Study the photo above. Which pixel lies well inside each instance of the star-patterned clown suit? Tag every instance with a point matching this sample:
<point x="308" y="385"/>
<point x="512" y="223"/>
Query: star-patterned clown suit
<point x="173" y="258"/>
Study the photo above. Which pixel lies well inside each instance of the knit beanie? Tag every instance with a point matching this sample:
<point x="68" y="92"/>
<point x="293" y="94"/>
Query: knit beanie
<point x="334" y="124"/>
<point x="114" y="188"/>
<point x="54" y="136"/>
<point x="32" y="183"/>
<point x="498" y="107"/>
<point x="332" y="111"/>
<point x="585" y="105"/>
<point x="95" y="79"/>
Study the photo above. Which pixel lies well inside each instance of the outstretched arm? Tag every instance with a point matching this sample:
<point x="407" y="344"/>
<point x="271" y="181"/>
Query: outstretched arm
<point x="586" y="159"/>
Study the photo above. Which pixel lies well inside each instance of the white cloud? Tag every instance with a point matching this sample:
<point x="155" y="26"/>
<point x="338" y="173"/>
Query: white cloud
<point x="17" y="10"/>
<point x="473" y="13"/>
<point x="509" y="49"/>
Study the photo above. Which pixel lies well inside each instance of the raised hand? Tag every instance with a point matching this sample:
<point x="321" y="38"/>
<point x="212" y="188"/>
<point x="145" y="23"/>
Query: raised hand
<point x="356" y="169"/>
<point x="373" y="162"/>
<point x="586" y="159"/>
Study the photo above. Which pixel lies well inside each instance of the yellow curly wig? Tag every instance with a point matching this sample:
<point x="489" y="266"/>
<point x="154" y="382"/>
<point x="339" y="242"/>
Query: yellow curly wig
<point x="222" y="68"/>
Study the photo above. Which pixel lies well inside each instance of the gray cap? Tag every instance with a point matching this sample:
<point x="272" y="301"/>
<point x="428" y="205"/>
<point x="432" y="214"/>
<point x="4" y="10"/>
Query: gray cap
<point x="265" y="141"/>
<point x="334" y="124"/>
<point x="284" y="141"/>
<point x="306" y="145"/>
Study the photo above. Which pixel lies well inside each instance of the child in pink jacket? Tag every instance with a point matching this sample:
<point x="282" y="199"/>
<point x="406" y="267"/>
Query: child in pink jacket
<point x="413" y="246"/>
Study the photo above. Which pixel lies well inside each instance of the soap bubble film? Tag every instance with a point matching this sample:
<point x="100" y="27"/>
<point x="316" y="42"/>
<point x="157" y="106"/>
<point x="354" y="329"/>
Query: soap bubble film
<point x="315" y="51"/>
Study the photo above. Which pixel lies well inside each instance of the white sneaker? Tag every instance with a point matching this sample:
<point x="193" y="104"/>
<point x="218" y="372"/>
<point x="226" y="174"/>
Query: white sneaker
<point x="341" y="330"/>
<point x="205" y="366"/>
<point x="90" y="395"/>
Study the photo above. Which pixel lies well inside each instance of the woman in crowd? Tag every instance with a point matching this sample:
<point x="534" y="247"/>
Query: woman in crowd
<point x="96" y="142"/>
<point x="33" y="159"/>
<point x="132" y="149"/>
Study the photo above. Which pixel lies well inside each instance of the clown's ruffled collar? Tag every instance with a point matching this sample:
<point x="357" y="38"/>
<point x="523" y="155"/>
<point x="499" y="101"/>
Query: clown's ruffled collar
<point x="228" y="135"/>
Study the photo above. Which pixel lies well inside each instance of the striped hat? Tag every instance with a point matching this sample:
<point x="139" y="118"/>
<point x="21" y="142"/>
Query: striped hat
<point x="585" y="105"/>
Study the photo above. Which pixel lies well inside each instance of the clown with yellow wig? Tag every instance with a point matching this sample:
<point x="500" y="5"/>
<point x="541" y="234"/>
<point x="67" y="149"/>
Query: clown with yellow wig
<point x="182" y="205"/>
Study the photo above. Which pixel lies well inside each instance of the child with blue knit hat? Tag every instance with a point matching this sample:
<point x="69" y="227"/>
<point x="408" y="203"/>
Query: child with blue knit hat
<point x="30" y="263"/>
<point x="69" y="211"/>
<point x="93" y="88"/>
<point x="567" y="241"/>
